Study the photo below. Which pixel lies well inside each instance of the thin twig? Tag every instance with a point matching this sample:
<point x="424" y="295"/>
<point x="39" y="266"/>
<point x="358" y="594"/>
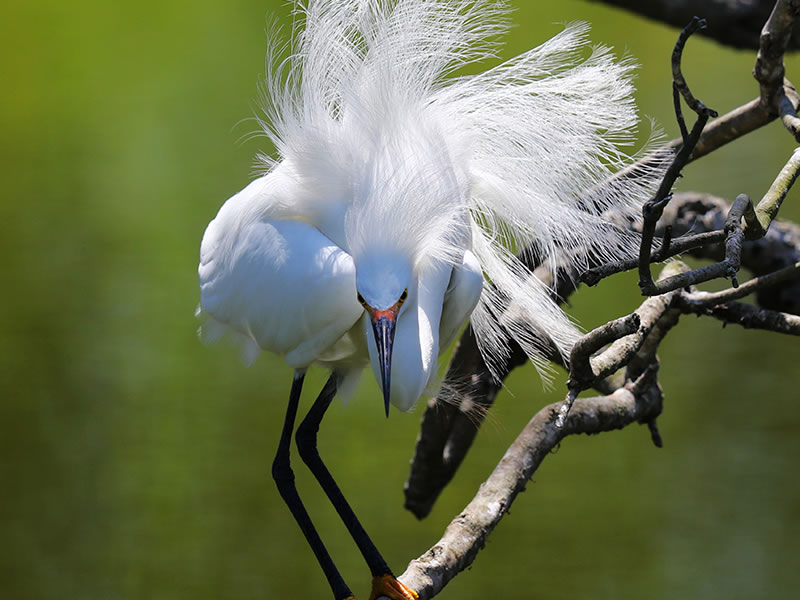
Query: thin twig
<point x="678" y="80"/>
<point x="758" y="220"/>
<point x="674" y="248"/>
<point x="721" y="131"/>
<point x="654" y="208"/>
<point x="749" y="317"/>
<point x="700" y="300"/>
<point x="769" y="70"/>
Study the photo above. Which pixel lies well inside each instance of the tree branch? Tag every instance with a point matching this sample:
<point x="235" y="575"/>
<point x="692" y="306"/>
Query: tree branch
<point x="633" y="342"/>
<point x="654" y="208"/>
<point x="638" y="400"/>
<point x="467" y="533"/>
<point x="758" y="219"/>
<point x="733" y="23"/>
<point x="727" y="267"/>
<point x="625" y="337"/>
<point x="451" y="422"/>
<point x="452" y="419"/>
<point x="769" y="70"/>
<point x="748" y="316"/>
<point x="722" y="305"/>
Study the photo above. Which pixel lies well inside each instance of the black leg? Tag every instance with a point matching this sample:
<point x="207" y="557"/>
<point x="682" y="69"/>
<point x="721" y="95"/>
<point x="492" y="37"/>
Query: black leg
<point x="307" y="445"/>
<point x="284" y="478"/>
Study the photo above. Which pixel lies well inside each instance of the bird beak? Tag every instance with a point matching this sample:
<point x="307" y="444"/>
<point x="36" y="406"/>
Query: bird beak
<point x="383" y="323"/>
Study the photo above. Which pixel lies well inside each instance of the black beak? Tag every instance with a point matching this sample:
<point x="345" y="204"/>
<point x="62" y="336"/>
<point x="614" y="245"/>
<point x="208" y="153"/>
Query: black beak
<point x="383" y="327"/>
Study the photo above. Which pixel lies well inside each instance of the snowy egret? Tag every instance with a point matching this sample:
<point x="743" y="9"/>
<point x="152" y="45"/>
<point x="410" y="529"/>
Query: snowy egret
<point x="397" y="187"/>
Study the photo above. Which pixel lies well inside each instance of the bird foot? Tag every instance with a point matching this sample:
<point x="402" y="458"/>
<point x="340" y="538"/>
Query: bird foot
<point x="389" y="587"/>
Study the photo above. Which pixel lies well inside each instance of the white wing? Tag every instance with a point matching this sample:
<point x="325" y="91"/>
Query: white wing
<point x="281" y="283"/>
<point x="461" y="298"/>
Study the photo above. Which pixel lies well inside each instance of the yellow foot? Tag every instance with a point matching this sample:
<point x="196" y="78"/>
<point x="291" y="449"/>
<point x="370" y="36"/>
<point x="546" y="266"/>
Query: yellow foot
<point x="388" y="586"/>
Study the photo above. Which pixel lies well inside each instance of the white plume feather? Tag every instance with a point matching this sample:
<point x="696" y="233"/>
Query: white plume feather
<point x="374" y="127"/>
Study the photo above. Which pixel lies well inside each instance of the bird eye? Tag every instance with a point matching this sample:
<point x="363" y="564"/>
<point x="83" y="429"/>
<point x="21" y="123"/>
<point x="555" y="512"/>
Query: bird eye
<point x="361" y="300"/>
<point x="403" y="296"/>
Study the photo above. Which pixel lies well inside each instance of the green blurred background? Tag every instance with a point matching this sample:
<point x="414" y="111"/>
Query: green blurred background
<point x="134" y="461"/>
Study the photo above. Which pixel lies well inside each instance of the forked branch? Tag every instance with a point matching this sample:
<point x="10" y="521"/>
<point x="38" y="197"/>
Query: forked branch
<point x="654" y="208"/>
<point x="467" y="532"/>
<point x="638" y="400"/>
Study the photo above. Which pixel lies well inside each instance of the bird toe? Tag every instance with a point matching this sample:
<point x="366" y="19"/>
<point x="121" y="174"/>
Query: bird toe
<point x="388" y="587"/>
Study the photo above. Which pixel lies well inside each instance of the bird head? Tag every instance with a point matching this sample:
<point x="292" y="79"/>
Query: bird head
<point x="382" y="289"/>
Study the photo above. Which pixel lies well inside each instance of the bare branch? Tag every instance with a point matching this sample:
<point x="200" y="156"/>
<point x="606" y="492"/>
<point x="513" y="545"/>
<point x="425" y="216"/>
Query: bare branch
<point x="450" y="424"/>
<point x="769" y="70"/>
<point x="759" y="221"/>
<point x="779" y="248"/>
<point x="733" y="23"/>
<point x="654" y="208"/>
<point x="633" y="341"/>
<point x="625" y="336"/>
<point x="727" y="267"/>
<point x="702" y="299"/>
<point x="679" y="82"/>
<point x="640" y="401"/>
<point x="721" y="305"/>
<point x="704" y="216"/>
<point x="674" y="248"/>
<point x="452" y="419"/>
<point x="467" y="533"/>
<point x="749" y="317"/>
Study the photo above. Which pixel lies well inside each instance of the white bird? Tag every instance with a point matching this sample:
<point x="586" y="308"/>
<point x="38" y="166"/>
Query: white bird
<point x="397" y="190"/>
